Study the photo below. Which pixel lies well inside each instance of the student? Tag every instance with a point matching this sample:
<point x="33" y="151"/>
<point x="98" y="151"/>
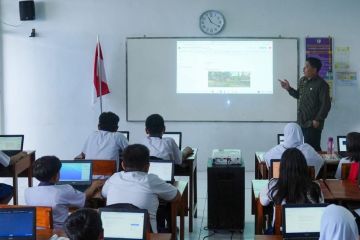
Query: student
<point x="106" y="143"/>
<point x="293" y="138"/>
<point x="84" y="224"/>
<point x="136" y="186"/>
<point x="164" y="148"/>
<point x="60" y="197"/>
<point x="353" y="152"/>
<point x="294" y="184"/>
<point x="337" y="223"/>
<point x="6" y="191"/>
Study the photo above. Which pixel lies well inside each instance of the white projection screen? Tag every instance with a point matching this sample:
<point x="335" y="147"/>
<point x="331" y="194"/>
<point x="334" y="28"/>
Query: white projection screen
<point x="211" y="79"/>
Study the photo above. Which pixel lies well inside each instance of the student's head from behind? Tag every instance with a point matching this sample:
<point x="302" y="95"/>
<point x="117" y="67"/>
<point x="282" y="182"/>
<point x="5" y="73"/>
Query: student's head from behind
<point x="136" y="158"/>
<point x="84" y="224"/>
<point x="293" y="164"/>
<point x="353" y="146"/>
<point x="108" y="121"/>
<point x="47" y="169"/>
<point x="293" y="135"/>
<point x="337" y="223"/>
<point x="155" y="125"/>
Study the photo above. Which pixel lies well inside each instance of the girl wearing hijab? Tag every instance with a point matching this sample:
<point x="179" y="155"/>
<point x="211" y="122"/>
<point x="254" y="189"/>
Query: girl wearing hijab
<point x="352" y="151"/>
<point x="337" y="223"/>
<point x="293" y="138"/>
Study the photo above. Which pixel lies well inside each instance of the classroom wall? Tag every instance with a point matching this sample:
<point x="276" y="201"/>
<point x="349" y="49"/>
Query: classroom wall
<point x="47" y="80"/>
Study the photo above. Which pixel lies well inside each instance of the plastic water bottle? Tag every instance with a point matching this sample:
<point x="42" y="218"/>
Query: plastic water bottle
<point x="330" y="145"/>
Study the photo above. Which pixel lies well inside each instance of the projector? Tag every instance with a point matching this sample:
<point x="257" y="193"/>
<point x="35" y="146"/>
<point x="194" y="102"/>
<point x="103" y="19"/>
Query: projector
<point x="226" y="157"/>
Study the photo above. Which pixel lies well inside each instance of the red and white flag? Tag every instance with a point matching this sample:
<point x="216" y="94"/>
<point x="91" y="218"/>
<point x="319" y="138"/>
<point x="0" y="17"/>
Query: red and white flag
<point x="100" y="83"/>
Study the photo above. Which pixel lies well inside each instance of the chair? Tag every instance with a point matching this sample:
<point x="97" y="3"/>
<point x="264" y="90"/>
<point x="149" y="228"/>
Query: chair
<point x="275" y="169"/>
<point x="345" y="169"/>
<point x="44" y="218"/>
<point x="104" y="167"/>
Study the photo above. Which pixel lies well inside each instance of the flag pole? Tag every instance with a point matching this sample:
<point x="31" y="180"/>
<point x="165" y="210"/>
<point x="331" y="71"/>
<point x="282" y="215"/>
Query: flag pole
<point x="99" y="72"/>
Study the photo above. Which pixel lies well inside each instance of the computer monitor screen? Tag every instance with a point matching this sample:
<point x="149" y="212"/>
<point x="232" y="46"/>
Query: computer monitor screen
<point x="162" y="168"/>
<point x="280" y="138"/>
<point x="18" y="223"/>
<point x="76" y="172"/>
<point x="174" y="135"/>
<point x="341" y="143"/>
<point x="126" y="134"/>
<point x="11" y="142"/>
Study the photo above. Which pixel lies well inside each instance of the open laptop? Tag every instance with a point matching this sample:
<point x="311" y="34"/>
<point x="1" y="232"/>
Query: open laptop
<point x="302" y="221"/>
<point x="126" y="134"/>
<point x="11" y="144"/>
<point x="341" y="145"/>
<point x="18" y="223"/>
<point x="163" y="168"/>
<point x="124" y="224"/>
<point x="77" y="173"/>
<point x="174" y="135"/>
<point x="280" y="138"/>
<point x="274" y="168"/>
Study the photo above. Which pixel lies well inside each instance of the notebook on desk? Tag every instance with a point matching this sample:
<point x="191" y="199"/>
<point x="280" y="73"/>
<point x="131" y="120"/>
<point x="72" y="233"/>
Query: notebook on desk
<point x="164" y="169"/>
<point x="302" y="221"/>
<point x="124" y="224"/>
<point x="77" y="173"/>
<point x="18" y="223"/>
<point x="174" y="135"/>
<point x="11" y="144"/>
<point x="341" y="145"/>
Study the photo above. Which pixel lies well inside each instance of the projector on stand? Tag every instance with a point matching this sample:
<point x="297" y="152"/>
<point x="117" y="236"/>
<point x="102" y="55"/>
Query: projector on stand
<point x="226" y="157"/>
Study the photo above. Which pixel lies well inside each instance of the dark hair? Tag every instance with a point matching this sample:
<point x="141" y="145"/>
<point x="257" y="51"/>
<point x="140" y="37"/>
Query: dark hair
<point x="46" y="167"/>
<point x="135" y="157"/>
<point x="353" y="146"/>
<point x="314" y="62"/>
<point x="155" y="124"/>
<point x="109" y="121"/>
<point x="83" y="224"/>
<point x="294" y="184"/>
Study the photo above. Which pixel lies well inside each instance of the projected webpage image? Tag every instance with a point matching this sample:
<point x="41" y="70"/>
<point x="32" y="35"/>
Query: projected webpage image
<point x="225" y="67"/>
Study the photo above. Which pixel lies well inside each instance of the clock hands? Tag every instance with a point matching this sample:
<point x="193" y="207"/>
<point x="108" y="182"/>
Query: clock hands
<point x="212" y="22"/>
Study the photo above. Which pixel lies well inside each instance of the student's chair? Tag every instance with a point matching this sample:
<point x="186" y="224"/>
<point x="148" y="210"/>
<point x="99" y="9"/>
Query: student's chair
<point x="350" y="171"/>
<point x="104" y="167"/>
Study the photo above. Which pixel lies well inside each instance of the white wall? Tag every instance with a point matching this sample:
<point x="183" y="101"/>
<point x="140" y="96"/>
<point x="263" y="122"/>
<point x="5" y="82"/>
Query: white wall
<point x="48" y="79"/>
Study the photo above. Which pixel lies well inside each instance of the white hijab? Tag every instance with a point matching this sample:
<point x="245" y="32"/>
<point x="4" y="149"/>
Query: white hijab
<point x="337" y="223"/>
<point x="293" y="136"/>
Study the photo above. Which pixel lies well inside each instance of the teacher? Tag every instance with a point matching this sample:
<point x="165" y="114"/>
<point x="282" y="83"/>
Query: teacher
<point x="313" y="101"/>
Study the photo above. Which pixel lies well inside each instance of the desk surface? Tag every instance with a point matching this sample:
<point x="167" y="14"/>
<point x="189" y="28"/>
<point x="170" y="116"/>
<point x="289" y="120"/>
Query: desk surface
<point x="343" y="190"/>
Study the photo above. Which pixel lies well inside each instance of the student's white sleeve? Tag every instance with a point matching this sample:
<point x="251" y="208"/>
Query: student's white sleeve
<point x="175" y="151"/>
<point x="161" y="188"/>
<point x="313" y="158"/>
<point x="105" y="188"/>
<point x="121" y="141"/>
<point x="4" y="159"/>
<point x="338" y="170"/>
<point x="71" y="197"/>
<point x="264" y="195"/>
<point x="273" y="153"/>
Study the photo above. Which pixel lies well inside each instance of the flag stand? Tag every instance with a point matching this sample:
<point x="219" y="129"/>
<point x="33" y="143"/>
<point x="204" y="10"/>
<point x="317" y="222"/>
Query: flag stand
<point x="99" y="73"/>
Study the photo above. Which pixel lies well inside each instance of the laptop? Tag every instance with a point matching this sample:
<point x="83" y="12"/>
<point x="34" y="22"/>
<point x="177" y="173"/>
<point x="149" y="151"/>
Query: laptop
<point x="124" y="224"/>
<point x="280" y="138"/>
<point x="274" y="168"/>
<point x="126" y="134"/>
<point x="18" y="223"/>
<point x="11" y="144"/>
<point x="163" y="168"/>
<point x="77" y="173"/>
<point x="341" y="145"/>
<point x="302" y="221"/>
<point x="174" y="135"/>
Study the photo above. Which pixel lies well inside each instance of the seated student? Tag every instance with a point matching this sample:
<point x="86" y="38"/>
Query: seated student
<point x="337" y="223"/>
<point x="294" y="184"/>
<point x="106" y="143"/>
<point x="6" y="191"/>
<point x="353" y="152"/>
<point x="293" y="138"/>
<point x="84" y="224"/>
<point x="164" y="148"/>
<point x="60" y="197"/>
<point x="136" y="186"/>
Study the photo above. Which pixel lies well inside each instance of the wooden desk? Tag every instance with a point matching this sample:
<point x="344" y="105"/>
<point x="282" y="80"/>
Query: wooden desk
<point x="191" y="172"/>
<point x="45" y="234"/>
<point x="23" y="166"/>
<point x="179" y="208"/>
<point x="268" y="237"/>
<point x="261" y="170"/>
<point x="343" y="190"/>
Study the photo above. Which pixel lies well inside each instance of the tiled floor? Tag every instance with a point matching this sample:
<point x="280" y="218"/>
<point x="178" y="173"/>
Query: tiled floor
<point x="200" y="223"/>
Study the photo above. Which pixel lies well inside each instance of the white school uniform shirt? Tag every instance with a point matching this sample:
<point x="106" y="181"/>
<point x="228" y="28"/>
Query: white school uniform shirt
<point x="294" y="139"/>
<point x="164" y="148"/>
<point x="338" y="170"/>
<point x="140" y="189"/>
<point x="4" y="159"/>
<point x="59" y="197"/>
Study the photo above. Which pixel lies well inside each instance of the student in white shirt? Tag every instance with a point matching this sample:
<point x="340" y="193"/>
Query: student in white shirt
<point x="164" y="148"/>
<point x="136" y="186"/>
<point x="293" y="138"/>
<point x="60" y="197"/>
<point x="352" y="151"/>
<point x="106" y="143"/>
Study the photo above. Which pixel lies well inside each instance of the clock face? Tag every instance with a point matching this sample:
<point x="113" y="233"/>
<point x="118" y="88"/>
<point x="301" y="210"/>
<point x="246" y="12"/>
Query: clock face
<point x="212" y="22"/>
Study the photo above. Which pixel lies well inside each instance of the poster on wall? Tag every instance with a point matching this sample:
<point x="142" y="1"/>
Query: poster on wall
<point x="321" y="48"/>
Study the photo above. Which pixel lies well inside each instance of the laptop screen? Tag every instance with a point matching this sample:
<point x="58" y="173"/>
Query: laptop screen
<point x="126" y="134"/>
<point x="341" y="143"/>
<point x="11" y="142"/>
<point x="18" y="223"/>
<point x="163" y="168"/>
<point x="174" y="135"/>
<point x="280" y="138"/>
<point x="123" y="224"/>
<point x="76" y="172"/>
<point x="302" y="220"/>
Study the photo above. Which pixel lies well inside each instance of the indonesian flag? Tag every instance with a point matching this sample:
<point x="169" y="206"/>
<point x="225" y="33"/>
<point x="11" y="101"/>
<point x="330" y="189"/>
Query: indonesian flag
<point x="99" y="73"/>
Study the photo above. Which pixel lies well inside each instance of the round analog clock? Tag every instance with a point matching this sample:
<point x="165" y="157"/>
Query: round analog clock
<point x="212" y="22"/>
